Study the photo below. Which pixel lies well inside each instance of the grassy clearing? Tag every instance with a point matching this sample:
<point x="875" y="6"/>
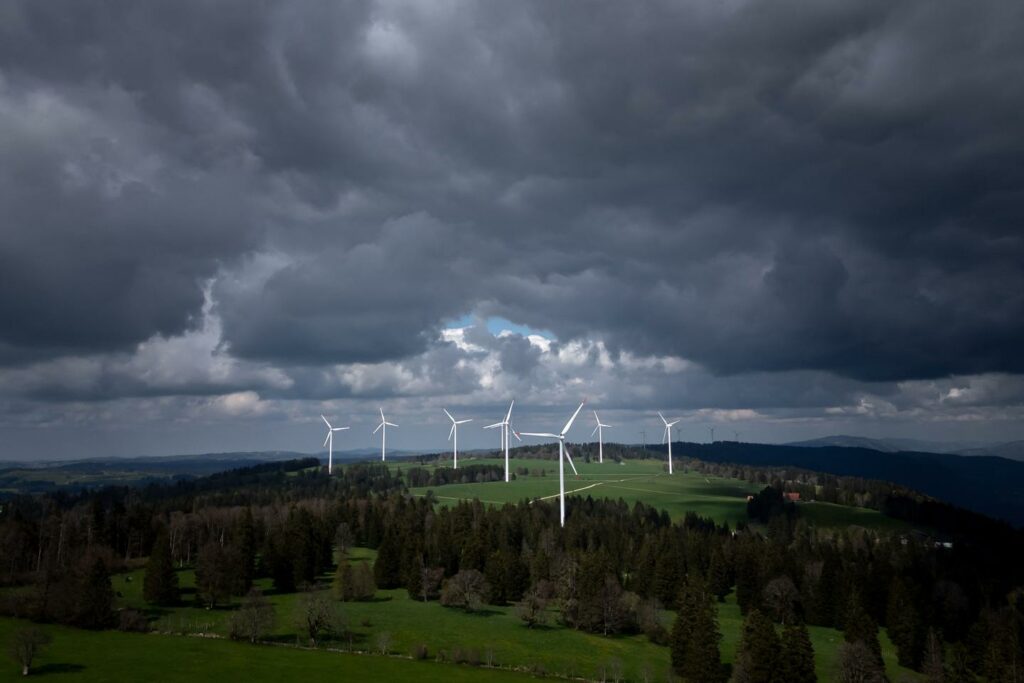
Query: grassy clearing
<point x="722" y="499"/>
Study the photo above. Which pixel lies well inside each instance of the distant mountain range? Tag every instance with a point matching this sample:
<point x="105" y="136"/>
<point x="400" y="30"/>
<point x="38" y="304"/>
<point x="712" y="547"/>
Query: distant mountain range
<point x="1014" y="450"/>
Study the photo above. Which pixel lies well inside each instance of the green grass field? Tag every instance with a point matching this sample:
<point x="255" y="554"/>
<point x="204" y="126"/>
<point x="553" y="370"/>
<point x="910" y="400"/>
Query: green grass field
<point x="720" y="498"/>
<point x="494" y="634"/>
<point x="88" y="656"/>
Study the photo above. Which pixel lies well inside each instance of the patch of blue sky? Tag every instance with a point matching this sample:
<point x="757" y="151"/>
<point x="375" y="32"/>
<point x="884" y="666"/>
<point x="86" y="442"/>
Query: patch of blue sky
<point x="496" y="326"/>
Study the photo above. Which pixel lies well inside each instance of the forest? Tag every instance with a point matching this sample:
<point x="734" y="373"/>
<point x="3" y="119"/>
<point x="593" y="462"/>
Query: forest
<point x="953" y="608"/>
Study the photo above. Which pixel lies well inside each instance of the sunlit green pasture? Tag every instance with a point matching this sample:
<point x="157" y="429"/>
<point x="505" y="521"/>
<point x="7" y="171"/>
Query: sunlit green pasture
<point x="647" y="481"/>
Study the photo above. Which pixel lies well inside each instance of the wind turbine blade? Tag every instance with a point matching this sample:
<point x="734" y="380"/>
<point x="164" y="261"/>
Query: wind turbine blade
<point x="662" y="417"/>
<point x="462" y="422"/>
<point x="595" y="429"/>
<point x="325" y="420"/>
<point x="572" y="419"/>
<point x="670" y="424"/>
<point x="516" y="434"/>
<point x="570" y="461"/>
<point x="339" y="429"/>
<point x="452" y="431"/>
<point x="496" y="424"/>
<point x="448" y="414"/>
<point x="550" y="436"/>
<point x="382" y="414"/>
<point x="390" y="424"/>
<point x="508" y="416"/>
<point x="326" y="440"/>
<point x="378" y="427"/>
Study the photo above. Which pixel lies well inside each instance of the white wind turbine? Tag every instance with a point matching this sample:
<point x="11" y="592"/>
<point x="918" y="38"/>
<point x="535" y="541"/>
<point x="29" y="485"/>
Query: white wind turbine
<point x="455" y="432"/>
<point x="668" y="439"/>
<point x="384" y="424"/>
<point x="600" y="437"/>
<point x="329" y="442"/>
<point x="563" y="453"/>
<point x="505" y="429"/>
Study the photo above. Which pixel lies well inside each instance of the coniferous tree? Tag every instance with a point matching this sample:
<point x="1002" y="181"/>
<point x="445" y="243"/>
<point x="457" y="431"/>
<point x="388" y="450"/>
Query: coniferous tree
<point x="245" y="553"/>
<point x="695" y="635"/>
<point x="95" y="599"/>
<point x="758" y="650"/>
<point x="825" y="598"/>
<point x="904" y="624"/>
<point x="279" y="563"/>
<point x="668" y="570"/>
<point x="160" y="584"/>
<point x="719" y="574"/>
<point x="796" y="656"/>
<point x="387" y="570"/>
<point x="748" y="579"/>
<point x="859" y="627"/>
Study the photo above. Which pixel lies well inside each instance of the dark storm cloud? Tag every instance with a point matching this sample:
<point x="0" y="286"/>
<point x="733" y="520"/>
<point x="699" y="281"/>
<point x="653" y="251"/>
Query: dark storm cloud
<point x="755" y="187"/>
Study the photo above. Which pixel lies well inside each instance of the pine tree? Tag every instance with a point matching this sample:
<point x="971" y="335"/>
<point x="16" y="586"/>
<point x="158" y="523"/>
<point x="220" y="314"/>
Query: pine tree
<point x="668" y="571"/>
<point x="160" y="585"/>
<point x="387" y="570"/>
<point x="695" y="635"/>
<point x="748" y="580"/>
<point x="245" y="553"/>
<point x="825" y="599"/>
<point x="719" y="574"/>
<point x="859" y="627"/>
<point x="796" y="657"/>
<point x="757" y="653"/>
<point x="95" y="599"/>
<point x="904" y="624"/>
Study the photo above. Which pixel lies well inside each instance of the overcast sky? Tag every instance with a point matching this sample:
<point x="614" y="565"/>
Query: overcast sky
<point x="218" y="220"/>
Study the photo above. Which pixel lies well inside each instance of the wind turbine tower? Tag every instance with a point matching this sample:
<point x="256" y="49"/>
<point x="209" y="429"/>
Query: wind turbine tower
<point x="600" y="437"/>
<point x="384" y="424"/>
<point x="668" y="439"/>
<point x="455" y="432"/>
<point x="563" y="453"/>
<point x="504" y="426"/>
<point x="329" y="442"/>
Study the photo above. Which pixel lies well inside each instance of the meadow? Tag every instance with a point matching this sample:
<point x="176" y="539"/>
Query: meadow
<point x="719" y="498"/>
<point x="493" y="635"/>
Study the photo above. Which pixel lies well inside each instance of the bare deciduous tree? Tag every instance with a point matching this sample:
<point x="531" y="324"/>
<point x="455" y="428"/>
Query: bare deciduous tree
<point x="317" y="615"/>
<point x="25" y="645"/>
<point x="254" y="618"/>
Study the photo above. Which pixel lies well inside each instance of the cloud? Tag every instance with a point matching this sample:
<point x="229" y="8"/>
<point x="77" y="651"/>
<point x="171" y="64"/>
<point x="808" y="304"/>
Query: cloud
<point x="727" y="207"/>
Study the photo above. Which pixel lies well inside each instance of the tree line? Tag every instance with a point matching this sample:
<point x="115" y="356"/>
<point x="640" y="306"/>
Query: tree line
<point x="614" y="568"/>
